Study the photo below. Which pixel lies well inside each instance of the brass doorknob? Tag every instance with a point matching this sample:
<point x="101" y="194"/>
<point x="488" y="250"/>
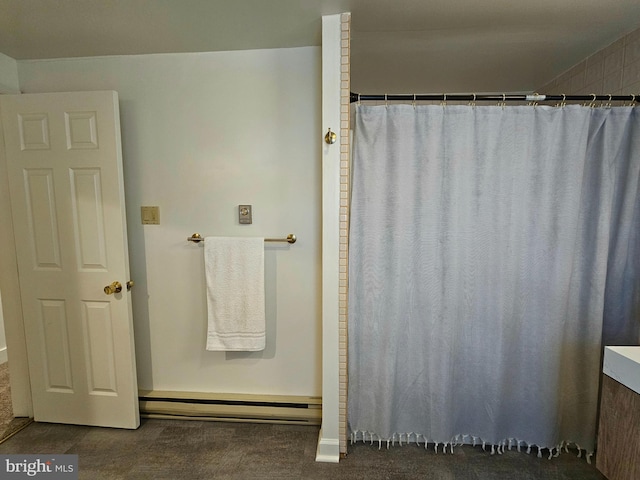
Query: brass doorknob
<point x="331" y="137"/>
<point x="115" y="287"/>
<point x="130" y="285"/>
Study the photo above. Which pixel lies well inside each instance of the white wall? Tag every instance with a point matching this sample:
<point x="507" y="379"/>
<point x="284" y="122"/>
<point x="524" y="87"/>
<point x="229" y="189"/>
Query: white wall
<point x="203" y="133"/>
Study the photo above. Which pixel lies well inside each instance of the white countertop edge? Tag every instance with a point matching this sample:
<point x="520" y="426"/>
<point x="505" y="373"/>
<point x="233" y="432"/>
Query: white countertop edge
<point x="623" y="365"/>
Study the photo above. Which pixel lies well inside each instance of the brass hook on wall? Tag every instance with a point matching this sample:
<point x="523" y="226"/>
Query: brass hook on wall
<point x="330" y="138"/>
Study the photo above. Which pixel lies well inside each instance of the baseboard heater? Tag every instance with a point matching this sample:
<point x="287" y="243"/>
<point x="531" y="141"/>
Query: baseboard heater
<point x="226" y="407"/>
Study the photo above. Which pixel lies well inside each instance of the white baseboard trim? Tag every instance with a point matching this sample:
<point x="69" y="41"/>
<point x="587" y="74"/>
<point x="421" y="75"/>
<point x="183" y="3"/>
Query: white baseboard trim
<point x="3" y="355"/>
<point x="328" y="450"/>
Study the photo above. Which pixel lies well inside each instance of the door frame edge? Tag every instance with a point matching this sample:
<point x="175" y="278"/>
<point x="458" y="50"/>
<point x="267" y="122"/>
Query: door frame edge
<point x="11" y="298"/>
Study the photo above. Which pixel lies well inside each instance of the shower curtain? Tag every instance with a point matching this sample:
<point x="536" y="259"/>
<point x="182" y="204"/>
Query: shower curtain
<point x="493" y="252"/>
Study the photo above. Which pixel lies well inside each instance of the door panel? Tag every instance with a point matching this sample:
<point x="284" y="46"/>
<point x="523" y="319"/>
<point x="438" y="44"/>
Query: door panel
<point x="34" y="131"/>
<point x="98" y="335"/>
<point x="42" y="218"/>
<point x="65" y="175"/>
<point x="88" y="221"/>
<point x="53" y="331"/>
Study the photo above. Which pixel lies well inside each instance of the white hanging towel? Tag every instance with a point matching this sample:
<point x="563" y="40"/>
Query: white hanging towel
<point x="234" y="269"/>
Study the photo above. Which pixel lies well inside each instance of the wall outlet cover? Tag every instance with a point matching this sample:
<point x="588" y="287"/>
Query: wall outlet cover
<point x="150" y="215"/>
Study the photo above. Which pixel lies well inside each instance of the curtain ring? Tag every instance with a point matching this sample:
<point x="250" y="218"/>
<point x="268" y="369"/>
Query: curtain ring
<point x="633" y="101"/>
<point x="359" y="100"/>
<point x="444" y="100"/>
<point x="473" y="102"/>
<point x="414" y="101"/>
<point x="386" y="102"/>
<point x="593" y="101"/>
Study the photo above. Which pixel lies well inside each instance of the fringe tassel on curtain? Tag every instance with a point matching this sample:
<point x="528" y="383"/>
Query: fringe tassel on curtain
<point x="466" y="439"/>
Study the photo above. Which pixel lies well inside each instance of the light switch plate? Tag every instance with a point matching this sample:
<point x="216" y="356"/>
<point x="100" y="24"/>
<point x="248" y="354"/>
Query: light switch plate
<point x="150" y="215"/>
<point x="244" y="214"/>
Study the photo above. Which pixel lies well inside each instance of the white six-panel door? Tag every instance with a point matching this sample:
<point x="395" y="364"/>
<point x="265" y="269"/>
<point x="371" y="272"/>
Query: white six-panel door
<point x="65" y="173"/>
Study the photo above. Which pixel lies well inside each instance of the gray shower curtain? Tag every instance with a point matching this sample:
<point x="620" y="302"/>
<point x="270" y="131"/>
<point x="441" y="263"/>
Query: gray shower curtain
<point x="491" y="251"/>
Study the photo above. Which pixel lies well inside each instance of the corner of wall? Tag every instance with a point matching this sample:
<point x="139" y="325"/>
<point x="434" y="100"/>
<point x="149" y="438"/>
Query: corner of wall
<point x="9" y="82"/>
<point x="613" y="70"/>
<point x="334" y="198"/>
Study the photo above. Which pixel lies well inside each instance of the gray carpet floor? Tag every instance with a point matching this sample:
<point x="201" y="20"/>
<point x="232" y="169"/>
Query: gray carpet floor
<point x="174" y="449"/>
<point x="8" y="425"/>
<point x="6" y="412"/>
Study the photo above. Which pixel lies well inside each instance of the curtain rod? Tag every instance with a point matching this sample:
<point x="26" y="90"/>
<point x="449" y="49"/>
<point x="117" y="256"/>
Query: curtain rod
<point x="472" y="97"/>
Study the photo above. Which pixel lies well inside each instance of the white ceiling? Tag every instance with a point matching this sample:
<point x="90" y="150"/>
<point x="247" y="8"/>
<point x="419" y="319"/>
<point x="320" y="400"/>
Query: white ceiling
<point x="399" y="46"/>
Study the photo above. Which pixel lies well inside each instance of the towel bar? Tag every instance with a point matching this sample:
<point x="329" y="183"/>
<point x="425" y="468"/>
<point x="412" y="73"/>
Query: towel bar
<point x="291" y="238"/>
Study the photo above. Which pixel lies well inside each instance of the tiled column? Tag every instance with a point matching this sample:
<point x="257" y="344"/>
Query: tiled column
<point x="344" y="220"/>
